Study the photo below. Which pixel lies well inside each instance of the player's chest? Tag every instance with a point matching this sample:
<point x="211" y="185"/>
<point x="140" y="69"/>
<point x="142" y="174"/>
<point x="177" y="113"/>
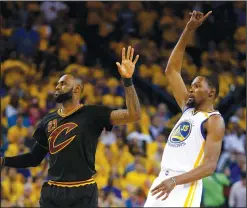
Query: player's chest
<point x="187" y="131"/>
<point x="65" y="132"/>
<point x="62" y="126"/>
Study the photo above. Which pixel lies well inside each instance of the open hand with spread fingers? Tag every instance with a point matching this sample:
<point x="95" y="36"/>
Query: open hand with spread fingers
<point x="196" y="19"/>
<point x="127" y="67"/>
<point x="163" y="189"/>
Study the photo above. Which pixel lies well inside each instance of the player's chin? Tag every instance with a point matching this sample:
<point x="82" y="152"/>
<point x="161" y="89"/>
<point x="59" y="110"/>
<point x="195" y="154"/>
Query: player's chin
<point x="58" y="98"/>
<point x="190" y="102"/>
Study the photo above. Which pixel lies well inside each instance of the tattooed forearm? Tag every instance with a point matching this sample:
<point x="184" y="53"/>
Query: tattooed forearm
<point x="132" y="102"/>
<point x="133" y="112"/>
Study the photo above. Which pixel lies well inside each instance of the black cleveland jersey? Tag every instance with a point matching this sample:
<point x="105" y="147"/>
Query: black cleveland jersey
<point x="72" y="141"/>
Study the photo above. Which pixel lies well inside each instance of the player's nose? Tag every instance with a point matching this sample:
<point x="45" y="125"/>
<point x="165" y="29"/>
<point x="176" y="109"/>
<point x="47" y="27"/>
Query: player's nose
<point x="58" y="87"/>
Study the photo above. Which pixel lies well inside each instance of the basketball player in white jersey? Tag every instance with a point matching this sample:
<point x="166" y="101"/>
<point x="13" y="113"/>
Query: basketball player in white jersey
<point x="194" y="145"/>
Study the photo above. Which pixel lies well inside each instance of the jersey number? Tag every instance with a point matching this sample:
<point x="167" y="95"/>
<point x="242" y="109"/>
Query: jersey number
<point x="185" y="128"/>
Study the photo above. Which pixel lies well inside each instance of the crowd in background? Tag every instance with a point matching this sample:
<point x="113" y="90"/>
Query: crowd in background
<point x="43" y="40"/>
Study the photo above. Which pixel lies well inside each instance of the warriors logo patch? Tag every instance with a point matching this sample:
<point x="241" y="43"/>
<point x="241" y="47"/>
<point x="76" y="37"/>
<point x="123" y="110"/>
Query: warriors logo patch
<point x="180" y="134"/>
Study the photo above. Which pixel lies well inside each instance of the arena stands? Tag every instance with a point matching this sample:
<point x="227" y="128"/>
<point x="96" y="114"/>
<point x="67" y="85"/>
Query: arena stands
<point x="43" y="40"/>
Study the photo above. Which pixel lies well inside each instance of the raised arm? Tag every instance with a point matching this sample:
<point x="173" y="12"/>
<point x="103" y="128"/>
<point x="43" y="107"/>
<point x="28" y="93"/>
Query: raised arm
<point x="173" y="69"/>
<point x="215" y="127"/>
<point x="133" y="111"/>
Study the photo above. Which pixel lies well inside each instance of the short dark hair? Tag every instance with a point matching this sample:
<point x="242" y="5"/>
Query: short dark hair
<point x="213" y="82"/>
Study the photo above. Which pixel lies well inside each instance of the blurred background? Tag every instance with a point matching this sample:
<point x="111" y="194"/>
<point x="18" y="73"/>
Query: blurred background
<point x="40" y="41"/>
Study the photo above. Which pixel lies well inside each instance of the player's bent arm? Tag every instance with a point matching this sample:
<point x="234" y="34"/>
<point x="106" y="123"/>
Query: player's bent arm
<point x="31" y="159"/>
<point x="215" y="127"/>
<point x="133" y="111"/>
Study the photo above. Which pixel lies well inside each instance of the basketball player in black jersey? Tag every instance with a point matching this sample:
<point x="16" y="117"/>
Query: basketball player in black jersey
<point x="70" y="136"/>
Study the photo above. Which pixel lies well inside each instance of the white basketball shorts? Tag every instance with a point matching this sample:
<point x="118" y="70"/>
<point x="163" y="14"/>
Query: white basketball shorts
<point x="187" y="195"/>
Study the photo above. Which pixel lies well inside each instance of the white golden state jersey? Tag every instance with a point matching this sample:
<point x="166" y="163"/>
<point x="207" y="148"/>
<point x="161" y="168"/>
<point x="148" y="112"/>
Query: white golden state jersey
<point x="185" y="146"/>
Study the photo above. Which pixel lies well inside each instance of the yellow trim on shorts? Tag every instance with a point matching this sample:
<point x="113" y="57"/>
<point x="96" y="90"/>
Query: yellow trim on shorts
<point x="72" y="184"/>
<point x="193" y="194"/>
<point x="186" y="204"/>
<point x="193" y="186"/>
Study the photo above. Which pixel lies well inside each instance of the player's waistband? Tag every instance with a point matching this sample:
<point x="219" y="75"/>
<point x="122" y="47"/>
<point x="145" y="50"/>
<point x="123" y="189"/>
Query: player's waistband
<point x="169" y="172"/>
<point x="72" y="184"/>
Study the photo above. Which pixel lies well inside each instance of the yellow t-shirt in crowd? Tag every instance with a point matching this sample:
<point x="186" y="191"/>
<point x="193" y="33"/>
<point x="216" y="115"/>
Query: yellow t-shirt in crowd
<point x="71" y="42"/>
<point x="15" y="132"/>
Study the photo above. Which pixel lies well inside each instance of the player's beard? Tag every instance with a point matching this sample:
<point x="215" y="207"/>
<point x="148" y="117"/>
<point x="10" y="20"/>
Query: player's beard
<point x="191" y="102"/>
<point x="61" y="98"/>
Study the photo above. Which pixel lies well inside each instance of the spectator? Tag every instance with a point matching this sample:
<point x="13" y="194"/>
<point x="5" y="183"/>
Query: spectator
<point x="108" y="138"/>
<point x="26" y="39"/>
<point x="131" y="163"/>
<point x="155" y="148"/>
<point x="235" y="166"/>
<point x="4" y="141"/>
<point x="238" y="193"/>
<point x="109" y="200"/>
<point x="12" y="185"/>
<point x="111" y="188"/>
<point x="52" y="9"/>
<point x="162" y="112"/>
<point x="233" y="143"/>
<point x="215" y="184"/>
<point x="34" y="111"/>
<point x="28" y="140"/>
<point x="17" y="131"/>
<point x="138" y="140"/>
<point x="156" y="127"/>
<point x="127" y="17"/>
<point x="71" y="43"/>
<point x="44" y="31"/>
<point x="137" y="199"/>
<point x="27" y="200"/>
<point x="50" y="102"/>
<point x="11" y="110"/>
<point x="131" y="167"/>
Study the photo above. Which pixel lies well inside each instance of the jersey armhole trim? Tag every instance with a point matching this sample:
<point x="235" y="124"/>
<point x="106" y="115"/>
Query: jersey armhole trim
<point x="185" y="109"/>
<point x="202" y="129"/>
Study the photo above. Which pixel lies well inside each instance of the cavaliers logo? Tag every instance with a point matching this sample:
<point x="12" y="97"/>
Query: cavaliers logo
<point x="55" y="134"/>
<point x="181" y="133"/>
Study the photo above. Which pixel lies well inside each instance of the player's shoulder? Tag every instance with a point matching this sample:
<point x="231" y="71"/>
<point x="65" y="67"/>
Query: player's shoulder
<point x="216" y="118"/>
<point x="93" y="107"/>
<point x="215" y="121"/>
<point x="96" y="108"/>
<point x="49" y="116"/>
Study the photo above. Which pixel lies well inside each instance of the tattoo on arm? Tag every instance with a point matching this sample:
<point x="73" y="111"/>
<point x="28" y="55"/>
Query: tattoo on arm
<point x="133" y="111"/>
<point x="132" y="101"/>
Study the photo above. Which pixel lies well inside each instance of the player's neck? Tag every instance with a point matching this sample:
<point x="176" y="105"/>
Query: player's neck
<point x="205" y="107"/>
<point x="69" y="106"/>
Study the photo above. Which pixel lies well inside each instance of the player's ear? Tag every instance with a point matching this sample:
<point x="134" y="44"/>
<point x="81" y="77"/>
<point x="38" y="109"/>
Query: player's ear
<point x="212" y="92"/>
<point x="75" y="88"/>
<point x="78" y="88"/>
<point x="82" y="88"/>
